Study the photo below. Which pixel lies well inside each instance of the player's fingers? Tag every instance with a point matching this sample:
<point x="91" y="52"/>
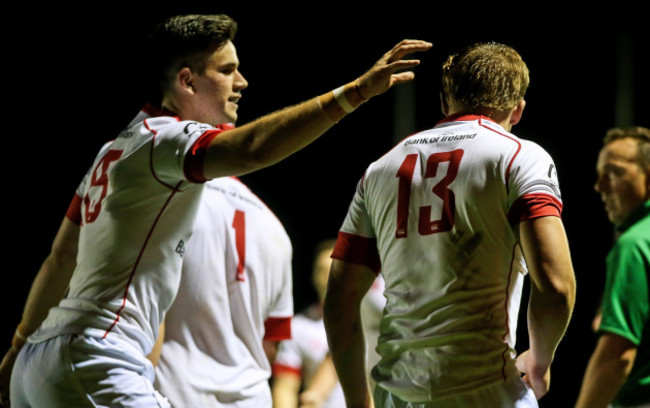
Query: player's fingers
<point x="402" y="77"/>
<point x="407" y="47"/>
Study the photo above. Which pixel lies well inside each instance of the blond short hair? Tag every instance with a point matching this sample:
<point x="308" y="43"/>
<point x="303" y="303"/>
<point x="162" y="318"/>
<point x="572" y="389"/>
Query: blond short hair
<point x="485" y="76"/>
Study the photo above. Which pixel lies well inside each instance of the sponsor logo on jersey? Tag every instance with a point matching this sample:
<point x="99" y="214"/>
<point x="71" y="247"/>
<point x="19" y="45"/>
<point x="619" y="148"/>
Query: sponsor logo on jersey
<point x="127" y="134"/>
<point x="180" y="248"/>
<point x="194" y="127"/>
<point x="437" y="139"/>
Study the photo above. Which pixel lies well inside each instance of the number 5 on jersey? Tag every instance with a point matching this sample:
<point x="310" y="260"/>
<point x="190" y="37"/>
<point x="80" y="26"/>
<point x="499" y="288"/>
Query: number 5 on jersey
<point x="426" y="226"/>
<point x="99" y="180"/>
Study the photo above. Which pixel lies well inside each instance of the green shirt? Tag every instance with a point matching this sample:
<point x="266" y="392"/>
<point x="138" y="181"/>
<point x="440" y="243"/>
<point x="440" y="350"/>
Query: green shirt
<point x="626" y="302"/>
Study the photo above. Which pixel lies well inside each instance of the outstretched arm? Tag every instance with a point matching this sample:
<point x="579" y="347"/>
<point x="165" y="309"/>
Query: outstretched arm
<point x="347" y="285"/>
<point x="552" y="297"/>
<point x="273" y="137"/>
<point x="47" y="290"/>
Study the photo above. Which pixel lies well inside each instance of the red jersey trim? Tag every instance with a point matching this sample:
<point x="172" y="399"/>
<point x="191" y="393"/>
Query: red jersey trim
<point x="193" y="165"/>
<point x="137" y="261"/>
<point x="358" y="250"/>
<point x="153" y="142"/>
<point x="74" y="210"/>
<point x="277" y="369"/>
<point x="507" y="176"/>
<point x="531" y="206"/>
<point x="277" y="328"/>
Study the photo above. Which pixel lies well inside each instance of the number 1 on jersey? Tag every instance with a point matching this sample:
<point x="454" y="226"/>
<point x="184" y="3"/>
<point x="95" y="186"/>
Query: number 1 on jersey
<point x="239" y="224"/>
<point x="426" y="226"/>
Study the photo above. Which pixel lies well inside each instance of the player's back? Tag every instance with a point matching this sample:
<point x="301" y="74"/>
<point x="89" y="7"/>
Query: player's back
<point x="235" y="291"/>
<point x="442" y="207"/>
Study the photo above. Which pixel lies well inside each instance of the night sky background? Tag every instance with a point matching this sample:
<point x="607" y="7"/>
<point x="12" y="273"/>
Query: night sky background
<point x="72" y="81"/>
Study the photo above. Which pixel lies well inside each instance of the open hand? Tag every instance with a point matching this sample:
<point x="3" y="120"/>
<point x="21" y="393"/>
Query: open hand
<point x="384" y="74"/>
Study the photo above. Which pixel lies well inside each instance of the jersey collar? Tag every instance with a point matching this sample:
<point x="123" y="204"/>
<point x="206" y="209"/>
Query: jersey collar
<point x="154" y="112"/>
<point x="636" y="215"/>
<point x="459" y="117"/>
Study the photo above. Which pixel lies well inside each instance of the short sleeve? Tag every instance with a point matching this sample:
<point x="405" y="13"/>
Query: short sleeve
<point x="626" y="302"/>
<point x="278" y="324"/>
<point x="532" y="183"/>
<point x="356" y="241"/>
<point x="288" y="358"/>
<point x="179" y="149"/>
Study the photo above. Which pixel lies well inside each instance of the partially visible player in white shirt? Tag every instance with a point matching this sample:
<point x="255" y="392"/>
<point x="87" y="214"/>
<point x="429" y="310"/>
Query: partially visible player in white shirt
<point x="299" y="359"/>
<point x="235" y="293"/>
<point x="138" y="205"/>
<point x="454" y="217"/>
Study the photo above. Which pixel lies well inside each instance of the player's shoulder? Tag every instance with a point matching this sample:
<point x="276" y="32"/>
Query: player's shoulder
<point x="166" y="125"/>
<point x="532" y="149"/>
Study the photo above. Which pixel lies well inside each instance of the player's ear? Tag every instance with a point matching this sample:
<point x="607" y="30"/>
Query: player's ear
<point x="443" y="104"/>
<point x="517" y="112"/>
<point x="185" y="80"/>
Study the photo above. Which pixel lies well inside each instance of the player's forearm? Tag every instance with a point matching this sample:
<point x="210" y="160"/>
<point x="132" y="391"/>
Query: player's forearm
<point x="52" y="279"/>
<point x="324" y="380"/>
<point x="553" y="286"/>
<point x="267" y="140"/>
<point x="273" y="137"/>
<point x="347" y="349"/>
<point x="548" y="318"/>
<point x="285" y="390"/>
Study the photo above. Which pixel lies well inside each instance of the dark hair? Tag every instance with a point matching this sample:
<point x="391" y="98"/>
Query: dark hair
<point x="186" y="41"/>
<point x="485" y="75"/>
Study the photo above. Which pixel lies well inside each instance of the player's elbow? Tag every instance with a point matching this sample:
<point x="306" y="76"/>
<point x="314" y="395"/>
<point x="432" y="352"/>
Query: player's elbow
<point x="557" y="291"/>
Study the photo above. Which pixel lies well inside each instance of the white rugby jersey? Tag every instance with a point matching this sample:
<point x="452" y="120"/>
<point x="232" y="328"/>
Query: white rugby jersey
<point x="437" y="215"/>
<point x="303" y="354"/>
<point x="235" y="291"/>
<point x="138" y="204"/>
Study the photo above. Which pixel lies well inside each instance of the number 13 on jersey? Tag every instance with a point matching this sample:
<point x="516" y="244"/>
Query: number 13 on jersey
<point x="426" y="225"/>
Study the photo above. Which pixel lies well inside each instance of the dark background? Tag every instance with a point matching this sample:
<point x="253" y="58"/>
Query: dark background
<point x="72" y="82"/>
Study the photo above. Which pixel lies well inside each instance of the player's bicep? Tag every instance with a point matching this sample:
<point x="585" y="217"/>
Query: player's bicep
<point x="546" y="250"/>
<point x="348" y="283"/>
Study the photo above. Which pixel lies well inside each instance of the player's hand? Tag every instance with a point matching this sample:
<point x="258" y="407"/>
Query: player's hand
<point x="6" y="367"/>
<point x="536" y="376"/>
<point x="383" y="75"/>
